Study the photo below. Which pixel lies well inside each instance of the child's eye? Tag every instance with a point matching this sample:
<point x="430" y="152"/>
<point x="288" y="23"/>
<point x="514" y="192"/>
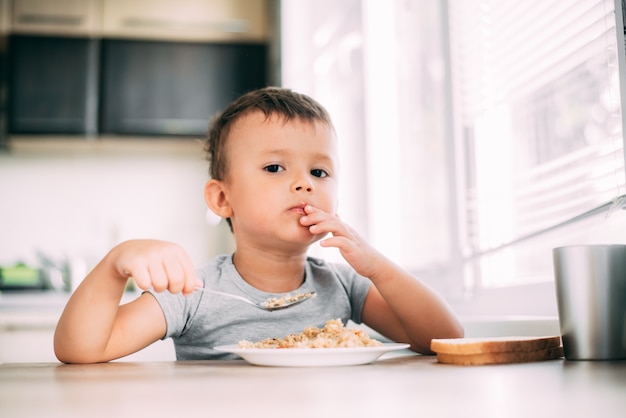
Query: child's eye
<point x="273" y="168"/>
<point x="317" y="172"/>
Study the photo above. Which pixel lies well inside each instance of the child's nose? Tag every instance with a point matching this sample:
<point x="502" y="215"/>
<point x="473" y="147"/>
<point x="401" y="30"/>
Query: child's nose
<point x="302" y="184"/>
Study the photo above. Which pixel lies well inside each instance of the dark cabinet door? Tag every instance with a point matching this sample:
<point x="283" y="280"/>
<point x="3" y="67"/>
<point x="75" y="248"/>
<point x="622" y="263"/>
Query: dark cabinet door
<point x="173" y="88"/>
<point x="52" y="85"/>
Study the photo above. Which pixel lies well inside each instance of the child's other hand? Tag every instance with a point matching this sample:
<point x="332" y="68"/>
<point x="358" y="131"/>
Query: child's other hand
<point x="357" y="252"/>
<point x="157" y="265"/>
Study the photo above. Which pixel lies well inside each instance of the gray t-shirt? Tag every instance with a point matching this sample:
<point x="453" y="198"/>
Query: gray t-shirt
<point x="203" y="320"/>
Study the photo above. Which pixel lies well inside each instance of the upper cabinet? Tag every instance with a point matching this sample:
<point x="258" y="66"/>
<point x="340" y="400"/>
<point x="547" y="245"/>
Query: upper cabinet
<point x="189" y="20"/>
<point x="182" y="20"/>
<point x="151" y="87"/>
<point x="52" y="59"/>
<point x="5" y="16"/>
<point x="141" y="67"/>
<point x="52" y="85"/>
<point x="67" y="17"/>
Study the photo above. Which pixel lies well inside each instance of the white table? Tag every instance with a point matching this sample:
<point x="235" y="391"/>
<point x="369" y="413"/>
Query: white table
<point x="397" y="386"/>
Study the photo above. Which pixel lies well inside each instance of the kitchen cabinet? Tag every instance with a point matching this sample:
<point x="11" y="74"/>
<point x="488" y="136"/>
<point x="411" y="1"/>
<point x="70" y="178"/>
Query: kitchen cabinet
<point x="35" y="345"/>
<point x="28" y="321"/>
<point x="182" y="20"/>
<point x="187" y="20"/>
<point x="173" y="88"/>
<point x="52" y="85"/>
<point x="52" y="67"/>
<point x="5" y="16"/>
<point x="141" y="68"/>
<point x="168" y="67"/>
<point x="67" y="17"/>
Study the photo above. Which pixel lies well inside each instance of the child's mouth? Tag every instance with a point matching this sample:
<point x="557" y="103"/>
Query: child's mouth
<point x="298" y="209"/>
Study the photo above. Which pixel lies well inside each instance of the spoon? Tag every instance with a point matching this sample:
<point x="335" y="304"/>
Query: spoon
<point x="271" y="304"/>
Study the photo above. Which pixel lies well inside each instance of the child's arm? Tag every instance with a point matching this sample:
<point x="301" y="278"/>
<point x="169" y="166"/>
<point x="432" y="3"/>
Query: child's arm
<point x="94" y="328"/>
<point x="398" y="305"/>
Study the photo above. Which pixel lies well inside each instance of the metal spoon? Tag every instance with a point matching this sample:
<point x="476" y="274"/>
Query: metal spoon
<point x="271" y="304"/>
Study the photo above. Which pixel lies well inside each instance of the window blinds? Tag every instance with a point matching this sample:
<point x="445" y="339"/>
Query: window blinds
<point x="537" y="103"/>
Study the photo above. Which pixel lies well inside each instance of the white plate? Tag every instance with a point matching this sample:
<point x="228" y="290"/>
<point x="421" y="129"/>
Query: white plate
<point x="311" y="357"/>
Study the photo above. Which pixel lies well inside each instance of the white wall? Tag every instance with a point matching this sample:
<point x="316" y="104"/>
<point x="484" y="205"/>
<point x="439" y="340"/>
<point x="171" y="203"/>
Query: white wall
<point x="78" y="198"/>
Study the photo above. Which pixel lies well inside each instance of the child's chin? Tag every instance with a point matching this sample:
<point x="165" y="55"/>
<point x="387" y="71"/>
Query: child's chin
<point x="315" y="238"/>
<point x="305" y="237"/>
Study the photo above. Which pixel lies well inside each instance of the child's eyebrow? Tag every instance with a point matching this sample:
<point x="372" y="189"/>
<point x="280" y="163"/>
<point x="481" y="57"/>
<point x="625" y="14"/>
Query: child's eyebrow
<point x="318" y="156"/>
<point x="325" y="158"/>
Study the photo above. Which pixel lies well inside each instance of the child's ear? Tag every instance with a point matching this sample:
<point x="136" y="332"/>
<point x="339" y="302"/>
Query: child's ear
<point x="216" y="199"/>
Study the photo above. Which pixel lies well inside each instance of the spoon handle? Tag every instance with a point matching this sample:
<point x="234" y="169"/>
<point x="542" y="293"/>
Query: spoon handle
<point x="228" y="295"/>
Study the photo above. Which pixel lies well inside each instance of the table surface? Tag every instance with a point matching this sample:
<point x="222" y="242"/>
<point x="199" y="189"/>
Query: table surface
<point x="393" y="386"/>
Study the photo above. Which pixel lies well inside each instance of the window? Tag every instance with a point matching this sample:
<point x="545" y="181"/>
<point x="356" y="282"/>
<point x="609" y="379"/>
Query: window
<point x="539" y="126"/>
<point x="493" y="132"/>
<point x="382" y="78"/>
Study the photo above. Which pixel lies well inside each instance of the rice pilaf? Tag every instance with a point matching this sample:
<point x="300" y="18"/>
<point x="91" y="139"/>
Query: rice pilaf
<point x="333" y="335"/>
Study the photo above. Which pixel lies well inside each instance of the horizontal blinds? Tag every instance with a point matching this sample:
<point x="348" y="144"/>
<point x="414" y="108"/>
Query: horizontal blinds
<point x="504" y="48"/>
<point x="536" y="90"/>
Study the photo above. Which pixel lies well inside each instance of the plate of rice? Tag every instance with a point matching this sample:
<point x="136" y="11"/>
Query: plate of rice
<point x="332" y="345"/>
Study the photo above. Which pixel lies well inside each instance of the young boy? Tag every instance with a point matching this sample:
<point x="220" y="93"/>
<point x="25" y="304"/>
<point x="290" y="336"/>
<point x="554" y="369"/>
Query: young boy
<point x="274" y="171"/>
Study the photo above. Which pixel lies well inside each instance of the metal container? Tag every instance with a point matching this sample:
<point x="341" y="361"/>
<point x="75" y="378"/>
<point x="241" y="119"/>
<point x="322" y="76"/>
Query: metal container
<point x="591" y="295"/>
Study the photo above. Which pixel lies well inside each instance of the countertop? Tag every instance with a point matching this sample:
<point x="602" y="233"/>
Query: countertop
<point x="28" y="320"/>
<point x="394" y="386"/>
<point x="28" y="311"/>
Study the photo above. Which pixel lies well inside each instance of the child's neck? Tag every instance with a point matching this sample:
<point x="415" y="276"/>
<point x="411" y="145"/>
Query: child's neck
<point x="270" y="272"/>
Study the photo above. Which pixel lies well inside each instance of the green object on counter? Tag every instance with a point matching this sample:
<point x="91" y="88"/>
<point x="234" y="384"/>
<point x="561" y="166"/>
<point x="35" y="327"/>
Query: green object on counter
<point x="19" y="275"/>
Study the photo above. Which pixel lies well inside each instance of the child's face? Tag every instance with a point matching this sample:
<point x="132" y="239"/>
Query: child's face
<point x="275" y="168"/>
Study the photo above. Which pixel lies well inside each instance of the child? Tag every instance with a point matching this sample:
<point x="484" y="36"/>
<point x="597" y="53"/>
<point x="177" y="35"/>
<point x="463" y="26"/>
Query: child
<point x="274" y="172"/>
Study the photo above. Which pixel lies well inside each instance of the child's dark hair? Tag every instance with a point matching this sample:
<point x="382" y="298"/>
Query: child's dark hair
<point x="272" y="101"/>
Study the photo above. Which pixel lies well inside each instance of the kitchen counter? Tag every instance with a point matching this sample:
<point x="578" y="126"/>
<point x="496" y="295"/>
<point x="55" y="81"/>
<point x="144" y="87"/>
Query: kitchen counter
<point x="394" y="386"/>
<point x="27" y="323"/>
<point x="28" y="320"/>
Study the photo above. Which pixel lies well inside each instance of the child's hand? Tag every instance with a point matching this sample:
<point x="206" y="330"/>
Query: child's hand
<point x="157" y="265"/>
<point x="357" y="252"/>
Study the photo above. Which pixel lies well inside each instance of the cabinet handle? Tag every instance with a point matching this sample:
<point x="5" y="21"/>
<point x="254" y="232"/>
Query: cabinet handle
<point x="58" y="20"/>
<point x="230" y="25"/>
